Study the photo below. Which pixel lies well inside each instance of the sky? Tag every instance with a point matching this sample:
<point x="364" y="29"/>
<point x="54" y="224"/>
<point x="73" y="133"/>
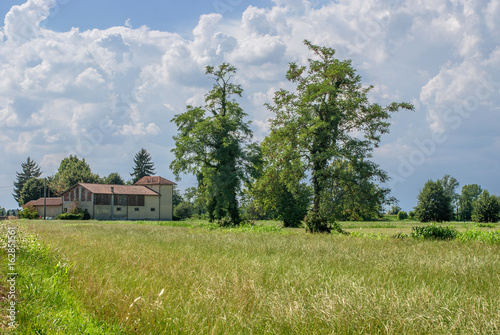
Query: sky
<point x="103" y="79"/>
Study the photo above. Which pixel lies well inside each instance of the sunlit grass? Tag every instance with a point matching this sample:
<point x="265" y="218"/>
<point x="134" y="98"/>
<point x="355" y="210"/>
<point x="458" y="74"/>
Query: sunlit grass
<point x="154" y="279"/>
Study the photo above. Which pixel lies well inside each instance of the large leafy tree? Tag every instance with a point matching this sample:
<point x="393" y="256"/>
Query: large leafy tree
<point x="213" y="143"/>
<point x="144" y="165"/>
<point x="30" y="169"/>
<point x="486" y="208"/>
<point x="450" y="185"/>
<point x="466" y="201"/>
<point x="32" y="190"/>
<point x="355" y="195"/>
<point x="434" y="203"/>
<point x="328" y="117"/>
<point x="72" y="170"/>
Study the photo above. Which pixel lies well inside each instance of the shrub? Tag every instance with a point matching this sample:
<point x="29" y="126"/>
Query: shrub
<point x="29" y="213"/>
<point x="434" y="231"/>
<point x="411" y="214"/>
<point x="70" y="216"/>
<point x="183" y="210"/>
<point x="402" y="215"/>
<point x="315" y="223"/>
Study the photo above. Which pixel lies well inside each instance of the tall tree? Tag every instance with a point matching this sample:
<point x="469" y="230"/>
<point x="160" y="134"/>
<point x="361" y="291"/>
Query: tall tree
<point x="213" y="142"/>
<point x="486" y="208"/>
<point x="144" y="165"/>
<point x="72" y="170"/>
<point x="450" y="185"/>
<point x="434" y="203"/>
<point x="30" y="169"/>
<point x="328" y="117"/>
<point x="466" y="201"/>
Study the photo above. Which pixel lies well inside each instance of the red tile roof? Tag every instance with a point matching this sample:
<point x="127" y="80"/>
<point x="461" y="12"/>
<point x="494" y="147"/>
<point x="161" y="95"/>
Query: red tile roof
<point x="49" y="202"/>
<point x="118" y="189"/>
<point x="154" y="180"/>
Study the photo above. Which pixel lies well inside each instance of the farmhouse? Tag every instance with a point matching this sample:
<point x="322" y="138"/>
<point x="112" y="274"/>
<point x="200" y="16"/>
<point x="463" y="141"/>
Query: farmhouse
<point x="53" y="206"/>
<point x="148" y="199"/>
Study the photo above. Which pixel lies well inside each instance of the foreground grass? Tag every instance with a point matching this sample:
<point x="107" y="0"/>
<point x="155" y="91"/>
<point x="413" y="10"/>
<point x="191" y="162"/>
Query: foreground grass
<point x="154" y="279"/>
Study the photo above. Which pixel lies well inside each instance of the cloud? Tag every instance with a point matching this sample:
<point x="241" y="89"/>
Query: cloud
<point x="101" y="92"/>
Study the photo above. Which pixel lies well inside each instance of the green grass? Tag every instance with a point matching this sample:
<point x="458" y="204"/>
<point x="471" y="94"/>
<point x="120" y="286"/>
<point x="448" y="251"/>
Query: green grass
<point x="193" y="278"/>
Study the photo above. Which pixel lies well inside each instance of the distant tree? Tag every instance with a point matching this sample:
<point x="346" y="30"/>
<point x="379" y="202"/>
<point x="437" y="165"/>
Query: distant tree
<point x="470" y="193"/>
<point x="71" y="172"/>
<point x="3" y="212"/>
<point x="434" y="203"/>
<point x="327" y="117"/>
<point x="486" y="208"/>
<point x="30" y="169"/>
<point x="213" y="142"/>
<point x="114" y="179"/>
<point x="394" y="210"/>
<point x="144" y="166"/>
<point x="450" y="185"/>
<point x="32" y="190"/>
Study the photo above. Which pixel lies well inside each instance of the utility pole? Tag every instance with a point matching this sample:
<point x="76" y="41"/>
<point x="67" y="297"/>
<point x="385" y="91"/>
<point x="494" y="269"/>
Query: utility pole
<point x="45" y="198"/>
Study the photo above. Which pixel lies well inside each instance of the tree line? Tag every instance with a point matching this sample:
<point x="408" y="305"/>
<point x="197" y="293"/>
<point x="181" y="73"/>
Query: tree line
<point x="72" y="170"/>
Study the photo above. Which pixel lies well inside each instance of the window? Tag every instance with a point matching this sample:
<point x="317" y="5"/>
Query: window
<point x="118" y="209"/>
<point x="120" y="200"/>
<point x="65" y="210"/>
<point x="136" y="200"/>
<point x="102" y="199"/>
<point x="136" y="209"/>
<point x="153" y="209"/>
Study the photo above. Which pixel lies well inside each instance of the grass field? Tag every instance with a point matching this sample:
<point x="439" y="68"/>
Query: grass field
<point x="190" y="278"/>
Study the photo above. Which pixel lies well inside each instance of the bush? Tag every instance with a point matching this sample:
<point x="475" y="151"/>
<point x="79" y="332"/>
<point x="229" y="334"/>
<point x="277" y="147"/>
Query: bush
<point x="434" y="231"/>
<point x="71" y="216"/>
<point x="183" y="210"/>
<point x="315" y="223"/>
<point x="402" y="215"/>
<point x="411" y="214"/>
<point x="29" y="213"/>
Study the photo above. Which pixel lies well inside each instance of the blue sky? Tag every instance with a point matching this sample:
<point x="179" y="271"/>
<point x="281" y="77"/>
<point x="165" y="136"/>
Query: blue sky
<point x="102" y="79"/>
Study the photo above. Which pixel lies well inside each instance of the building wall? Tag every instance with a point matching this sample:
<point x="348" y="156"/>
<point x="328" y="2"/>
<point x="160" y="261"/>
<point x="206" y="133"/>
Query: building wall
<point x="51" y="211"/>
<point x="147" y="212"/>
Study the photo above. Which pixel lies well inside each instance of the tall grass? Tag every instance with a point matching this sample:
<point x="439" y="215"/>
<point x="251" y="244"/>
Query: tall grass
<point x="150" y="279"/>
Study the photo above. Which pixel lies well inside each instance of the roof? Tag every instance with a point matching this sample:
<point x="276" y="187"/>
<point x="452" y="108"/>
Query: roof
<point x="154" y="180"/>
<point x="118" y="189"/>
<point x="49" y="202"/>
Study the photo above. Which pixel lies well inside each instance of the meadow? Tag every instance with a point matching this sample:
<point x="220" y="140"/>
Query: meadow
<point x="192" y="278"/>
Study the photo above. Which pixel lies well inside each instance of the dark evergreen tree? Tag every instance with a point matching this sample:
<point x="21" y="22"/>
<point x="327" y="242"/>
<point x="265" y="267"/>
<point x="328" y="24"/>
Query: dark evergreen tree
<point x="144" y="166"/>
<point x="30" y="169"/>
<point x="32" y="190"/>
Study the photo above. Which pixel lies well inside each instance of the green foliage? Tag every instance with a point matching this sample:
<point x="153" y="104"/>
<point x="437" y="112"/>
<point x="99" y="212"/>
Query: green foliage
<point x="183" y="210"/>
<point x="29" y="212"/>
<point x="328" y="117"/>
<point x="492" y="237"/>
<point x="30" y="170"/>
<point x="402" y="215"/>
<point x="144" y="166"/>
<point x="176" y="197"/>
<point x="114" y="179"/>
<point x="486" y="208"/>
<point x="411" y="214"/>
<point x="71" y="216"/>
<point x="434" y="231"/>
<point x="394" y="210"/>
<point x="465" y="202"/>
<point x="450" y="185"/>
<point x="71" y="172"/>
<point x="434" y="203"/>
<point x="213" y="143"/>
<point x="315" y="223"/>
<point x="32" y="190"/>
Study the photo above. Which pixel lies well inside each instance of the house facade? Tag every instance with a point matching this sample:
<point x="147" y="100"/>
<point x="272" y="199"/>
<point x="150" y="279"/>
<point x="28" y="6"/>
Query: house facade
<point x="52" y="206"/>
<point x="148" y="199"/>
